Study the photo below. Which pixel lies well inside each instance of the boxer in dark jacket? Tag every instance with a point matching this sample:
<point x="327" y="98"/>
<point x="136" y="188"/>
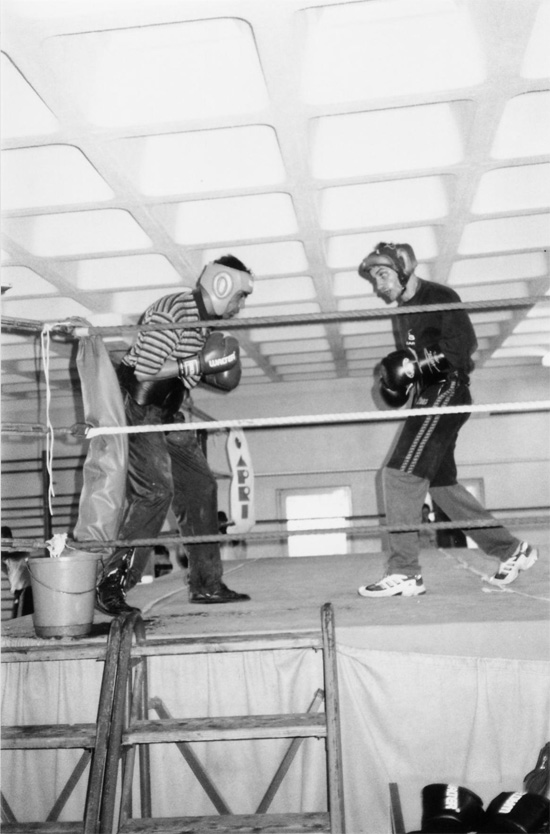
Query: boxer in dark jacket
<point x="432" y="365"/>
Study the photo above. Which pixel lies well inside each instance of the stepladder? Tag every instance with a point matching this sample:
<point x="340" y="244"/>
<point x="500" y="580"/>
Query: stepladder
<point x="126" y="751"/>
<point x="215" y="750"/>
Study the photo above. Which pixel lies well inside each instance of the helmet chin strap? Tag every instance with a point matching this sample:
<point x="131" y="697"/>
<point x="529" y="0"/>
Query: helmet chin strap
<point x="404" y="287"/>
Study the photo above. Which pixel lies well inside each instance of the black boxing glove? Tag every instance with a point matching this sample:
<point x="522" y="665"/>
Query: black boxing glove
<point x="393" y="398"/>
<point x="518" y="812"/>
<point x="450" y="809"/>
<point x="402" y="368"/>
<point x="225" y="380"/>
<point x="433" y="365"/>
<point x="399" y="370"/>
<point x="219" y="353"/>
<point x="397" y="375"/>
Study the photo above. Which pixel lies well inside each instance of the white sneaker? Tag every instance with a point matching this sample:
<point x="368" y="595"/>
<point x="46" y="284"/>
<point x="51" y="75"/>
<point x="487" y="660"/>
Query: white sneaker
<point x="395" y="584"/>
<point x="524" y="557"/>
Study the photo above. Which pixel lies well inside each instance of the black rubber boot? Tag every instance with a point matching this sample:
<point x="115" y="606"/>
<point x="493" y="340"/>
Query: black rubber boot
<point x="110" y="595"/>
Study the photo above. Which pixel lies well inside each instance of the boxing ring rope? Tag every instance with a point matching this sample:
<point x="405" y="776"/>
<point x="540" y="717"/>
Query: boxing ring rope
<point x="87" y="432"/>
<point x="30" y="325"/>
<point x="73" y="329"/>
<point x="366" y="531"/>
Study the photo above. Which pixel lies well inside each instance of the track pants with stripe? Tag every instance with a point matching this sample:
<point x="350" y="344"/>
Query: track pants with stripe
<point x="423" y="460"/>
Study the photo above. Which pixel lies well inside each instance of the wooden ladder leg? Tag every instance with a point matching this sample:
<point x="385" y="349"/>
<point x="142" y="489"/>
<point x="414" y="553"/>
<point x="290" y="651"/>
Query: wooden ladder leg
<point x="97" y="770"/>
<point x="397" y="821"/>
<point x="107" y="813"/>
<point x="145" y="752"/>
<point x="332" y="707"/>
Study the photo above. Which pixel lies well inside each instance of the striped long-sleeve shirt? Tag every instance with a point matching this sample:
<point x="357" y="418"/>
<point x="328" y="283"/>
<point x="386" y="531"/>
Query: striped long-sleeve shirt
<point x="153" y="347"/>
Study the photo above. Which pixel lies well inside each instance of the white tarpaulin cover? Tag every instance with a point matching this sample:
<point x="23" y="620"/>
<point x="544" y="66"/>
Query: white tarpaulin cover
<point x="407" y="718"/>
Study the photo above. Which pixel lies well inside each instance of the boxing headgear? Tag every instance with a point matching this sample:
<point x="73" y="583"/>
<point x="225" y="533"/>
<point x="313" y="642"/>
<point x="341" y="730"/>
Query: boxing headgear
<point x="398" y="256"/>
<point x="222" y="283"/>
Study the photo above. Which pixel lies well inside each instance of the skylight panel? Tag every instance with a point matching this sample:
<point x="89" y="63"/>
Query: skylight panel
<point x="489" y="330"/>
<point x="377" y="49"/>
<point x="303" y="358"/>
<point x="366" y="302"/>
<point x="527" y="340"/>
<point x="366" y="326"/>
<point x="25" y="281"/>
<point x="359" y="340"/>
<point x="511" y="352"/>
<point x="23" y="111"/>
<point x="364" y="353"/>
<point x="291" y="367"/>
<point x="524" y="129"/>
<point x="490" y="315"/>
<point x="275" y="348"/>
<point x="294" y="309"/>
<point x="307" y="375"/>
<point x="266" y="258"/>
<point x="513" y="189"/>
<point x="135" y="303"/>
<point x="524" y="232"/>
<point x="286" y="332"/>
<point x="534" y="325"/>
<point x="279" y="290"/>
<point x="493" y="270"/>
<point x="203" y="160"/>
<point x="488" y="292"/>
<point x="381" y="203"/>
<point x="44" y="309"/>
<point x="127" y="271"/>
<point x="73" y="233"/>
<point x="539" y="310"/>
<point x="162" y="73"/>
<point x="50" y="175"/>
<point x="347" y="251"/>
<point x="234" y="218"/>
<point x="536" y="62"/>
<point x="359" y="144"/>
<point x="346" y="284"/>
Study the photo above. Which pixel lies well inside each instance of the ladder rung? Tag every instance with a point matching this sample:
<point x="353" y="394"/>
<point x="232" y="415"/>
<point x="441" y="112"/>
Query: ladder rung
<point x="48" y="736"/>
<point x="234" y="727"/>
<point x="235" y="823"/>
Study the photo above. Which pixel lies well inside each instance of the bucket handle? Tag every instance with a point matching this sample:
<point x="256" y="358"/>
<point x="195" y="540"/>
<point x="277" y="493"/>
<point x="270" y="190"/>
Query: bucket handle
<point x="58" y="590"/>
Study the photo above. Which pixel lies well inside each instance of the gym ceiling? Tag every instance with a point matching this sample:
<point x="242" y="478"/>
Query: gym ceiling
<point x="143" y="138"/>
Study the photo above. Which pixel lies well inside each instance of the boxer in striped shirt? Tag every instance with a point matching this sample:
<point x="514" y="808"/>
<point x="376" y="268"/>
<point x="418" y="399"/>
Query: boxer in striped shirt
<point x="169" y="469"/>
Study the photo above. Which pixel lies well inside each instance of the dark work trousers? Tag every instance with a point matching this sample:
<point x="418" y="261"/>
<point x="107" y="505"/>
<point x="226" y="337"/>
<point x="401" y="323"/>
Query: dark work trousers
<point x="423" y="460"/>
<point x="168" y="469"/>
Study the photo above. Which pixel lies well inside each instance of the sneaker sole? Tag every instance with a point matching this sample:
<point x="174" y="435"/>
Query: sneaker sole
<point x="411" y="592"/>
<point x="216" y="601"/>
<point x="523" y="563"/>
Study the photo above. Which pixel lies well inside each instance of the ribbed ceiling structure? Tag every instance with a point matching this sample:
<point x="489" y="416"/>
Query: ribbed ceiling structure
<point x="143" y="138"/>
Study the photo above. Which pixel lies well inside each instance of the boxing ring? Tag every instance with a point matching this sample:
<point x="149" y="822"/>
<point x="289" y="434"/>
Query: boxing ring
<point x="449" y="687"/>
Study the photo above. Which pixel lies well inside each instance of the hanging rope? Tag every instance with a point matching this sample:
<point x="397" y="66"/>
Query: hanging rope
<point x="50" y="433"/>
